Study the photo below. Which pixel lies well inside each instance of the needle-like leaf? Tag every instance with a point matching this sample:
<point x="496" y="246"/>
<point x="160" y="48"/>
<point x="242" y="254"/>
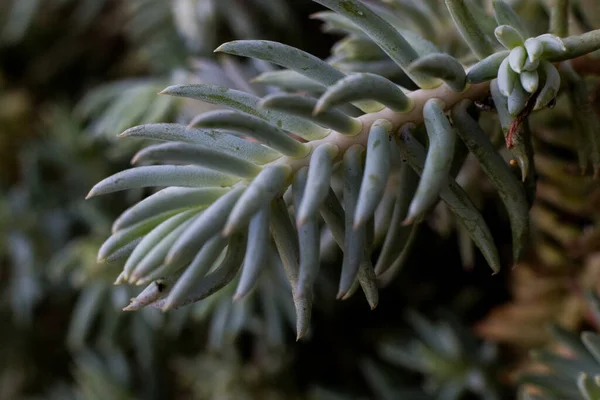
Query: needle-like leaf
<point x="208" y="224"/>
<point x="186" y="153"/>
<point x="377" y="168"/>
<point x="199" y="266"/>
<point x="364" y="86"/>
<point x="456" y="199"/>
<point x="209" y="138"/>
<point x="255" y="127"/>
<point x="257" y="254"/>
<point x="355" y="240"/>
<point x="308" y="240"/>
<point x="162" y="175"/>
<point x="511" y="191"/>
<point x="439" y="160"/>
<point x="317" y="184"/>
<point x="268" y="184"/>
<point x="247" y="103"/>
<point x="286" y="240"/>
<point x="381" y="32"/>
<point x="174" y="199"/>
<point x="444" y="67"/>
<point x="303" y="106"/>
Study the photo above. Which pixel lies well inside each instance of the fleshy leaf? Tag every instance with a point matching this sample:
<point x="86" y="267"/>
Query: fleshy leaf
<point x="162" y="175"/>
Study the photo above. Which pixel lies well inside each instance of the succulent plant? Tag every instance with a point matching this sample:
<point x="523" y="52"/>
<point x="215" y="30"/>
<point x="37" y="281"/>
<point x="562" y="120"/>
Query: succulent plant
<point x="452" y="362"/>
<point x="228" y="198"/>
<point x="573" y="369"/>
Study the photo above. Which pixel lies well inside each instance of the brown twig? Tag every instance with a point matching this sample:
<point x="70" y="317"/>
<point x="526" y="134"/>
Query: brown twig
<point x="523" y="115"/>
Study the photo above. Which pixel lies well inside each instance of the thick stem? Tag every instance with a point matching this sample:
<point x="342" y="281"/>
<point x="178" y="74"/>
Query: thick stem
<point x="470" y="31"/>
<point x="578" y="46"/>
<point x="559" y="20"/>
<point x="397" y="119"/>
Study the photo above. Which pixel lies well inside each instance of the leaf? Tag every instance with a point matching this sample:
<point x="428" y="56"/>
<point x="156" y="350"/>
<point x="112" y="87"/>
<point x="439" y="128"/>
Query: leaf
<point x="162" y="175"/>
<point x="552" y="45"/>
<point x="529" y="80"/>
<point x="368" y="282"/>
<point x="303" y="106"/>
<point x="551" y="85"/>
<point x="123" y="237"/>
<point x="254" y="127"/>
<point x="509" y="37"/>
<point x="285" y="56"/>
<point x="246" y="103"/>
<point x="584" y="114"/>
<point x="506" y="78"/>
<point x="290" y="80"/>
<point x="377" y="169"/>
<point x="209" y="138"/>
<point x="398" y="234"/>
<point x="355" y="239"/>
<point x="123" y="252"/>
<point x="386" y="36"/>
<point x="469" y="29"/>
<point x="197" y="269"/>
<point x="333" y="214"/>
<point x="286" y="241"/>
<point x="155" y="255"/>
<point x="364" y="86"/>
<point x="588" y="387"/>
<point x="386" y="277"/>
<point x="534" y="49"/>
<point x="505" y="15"/>
<point x="486" y="69"/>
<point x="336" y="23"/>
<point x="358" y="48"/>
<point x="173" y="199"/>
<point x="457" y="200"/>
<point x="153" y="292"/>
<point x="517" y="101"/>
<point x="207" y="225"/>
<point x="257" y="252"/>
<point x="510" y="190"/>
<point x="317" y="183"/>
<point x="308" y="239"/>
<point x="216" y="280"/>
<point x="591" y="341"/>
<point x="444" y="67"/>
<point x="268" y="184"/>
<point x="186" y="153"/>
<point x="560" y="387"/>
<point x="516" y="59"/>
<point x="153" y="238"/>
<point x="573" y="343"/>
<point x="88" y="305"/>
<point x="439" y="159"/>
<point x="566" y="366"/>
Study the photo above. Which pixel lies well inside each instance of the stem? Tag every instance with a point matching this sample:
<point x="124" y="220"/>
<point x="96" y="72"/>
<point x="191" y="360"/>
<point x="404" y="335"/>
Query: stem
<point x="578" y="45"/>
<point x="469" y="29"/>
<point x="559" y="19"/>
<point x="397" y="119"/>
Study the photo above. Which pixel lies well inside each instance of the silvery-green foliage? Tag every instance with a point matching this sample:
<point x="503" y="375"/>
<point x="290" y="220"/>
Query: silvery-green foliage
<point x="20" y="15"/>
<point x="574" y="372"/>
<point x="273" y="163"/>
<point x="453" y="362"/>
<point x="37" y="216"/>
<point x="163" y="36"/>
<point x="197" y="20"/>
<point x="96" y="377"/>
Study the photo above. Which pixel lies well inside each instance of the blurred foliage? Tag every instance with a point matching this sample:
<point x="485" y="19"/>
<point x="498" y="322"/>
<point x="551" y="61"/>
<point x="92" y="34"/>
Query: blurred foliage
<point x="75" y="73"/>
